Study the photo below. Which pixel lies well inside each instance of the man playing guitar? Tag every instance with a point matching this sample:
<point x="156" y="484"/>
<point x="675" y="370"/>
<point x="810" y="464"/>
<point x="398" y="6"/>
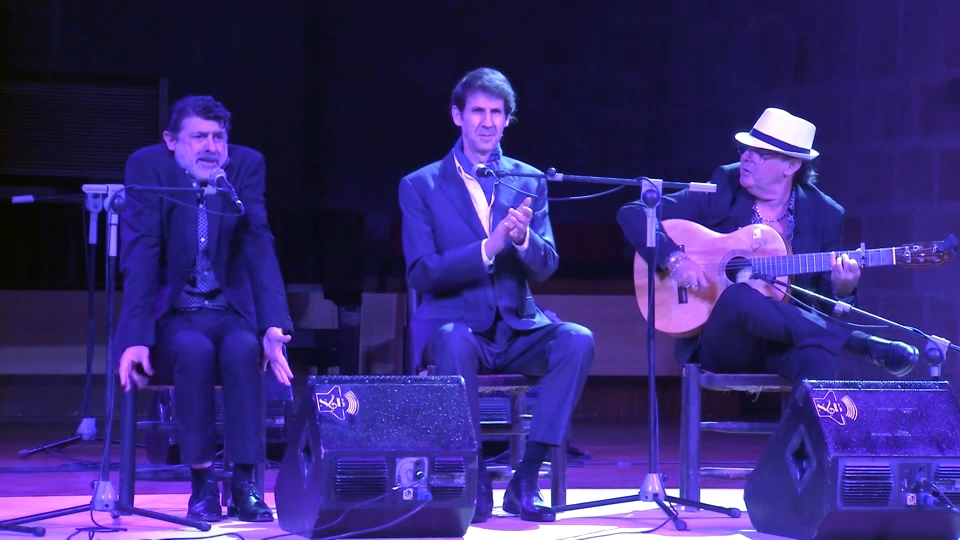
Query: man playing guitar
<point x="747" y="328"/>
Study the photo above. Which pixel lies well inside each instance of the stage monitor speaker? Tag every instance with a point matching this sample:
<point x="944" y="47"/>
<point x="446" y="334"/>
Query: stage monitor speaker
<point x="861" y="459"/>
<point x="392" y="456"/>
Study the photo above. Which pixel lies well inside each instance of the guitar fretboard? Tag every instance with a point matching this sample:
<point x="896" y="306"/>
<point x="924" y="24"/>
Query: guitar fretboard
<point x="809" y="263"/>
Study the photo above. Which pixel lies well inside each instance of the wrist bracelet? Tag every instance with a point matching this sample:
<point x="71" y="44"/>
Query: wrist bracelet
<point x="674" y="260"/>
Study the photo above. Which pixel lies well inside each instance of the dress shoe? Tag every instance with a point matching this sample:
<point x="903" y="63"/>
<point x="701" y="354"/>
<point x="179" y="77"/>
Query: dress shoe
<point x="204" y="503"/>
<point x="897" y="357"/>
<point x="522" y="498"/>
<point x="576" y="453"/>
<point x="484" y="506"/>
<point x="247" y="504"/>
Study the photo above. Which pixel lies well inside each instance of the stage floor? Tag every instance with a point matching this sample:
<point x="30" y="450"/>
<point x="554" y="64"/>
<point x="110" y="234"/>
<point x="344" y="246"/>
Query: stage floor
<point x="55" y="479"/>
<point x="604" y="521"/>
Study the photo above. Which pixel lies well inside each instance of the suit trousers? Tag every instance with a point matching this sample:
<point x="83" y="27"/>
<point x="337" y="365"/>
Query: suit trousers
<point x="558" y="356"/>
<point x="748" y="332"/>
<point x="196" y="349"/>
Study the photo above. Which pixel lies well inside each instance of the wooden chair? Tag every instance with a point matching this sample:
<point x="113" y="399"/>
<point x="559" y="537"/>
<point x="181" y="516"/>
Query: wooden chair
<point x="516" y="425"/>
<point x="694" y="381"/>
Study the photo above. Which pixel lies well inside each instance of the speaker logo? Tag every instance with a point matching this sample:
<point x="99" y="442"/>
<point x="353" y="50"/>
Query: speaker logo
<point x="838" y="410"/>
<point x="338" y="404"/>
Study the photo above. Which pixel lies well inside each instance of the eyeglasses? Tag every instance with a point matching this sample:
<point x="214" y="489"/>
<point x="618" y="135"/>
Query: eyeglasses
<point x="759" y="155"/>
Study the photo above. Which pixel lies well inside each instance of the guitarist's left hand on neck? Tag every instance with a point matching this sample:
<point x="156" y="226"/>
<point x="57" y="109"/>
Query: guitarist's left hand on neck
<point x="844" y="274"/>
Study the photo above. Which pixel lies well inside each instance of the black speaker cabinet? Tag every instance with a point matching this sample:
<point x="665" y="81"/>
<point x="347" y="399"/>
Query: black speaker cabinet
<point x="393" y="453"/>
<point x="861" y="459"/>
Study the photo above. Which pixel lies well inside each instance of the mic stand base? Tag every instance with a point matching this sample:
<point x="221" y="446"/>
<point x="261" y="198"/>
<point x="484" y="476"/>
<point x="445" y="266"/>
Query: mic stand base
<point x="651" y="490"/>
<point x="104" y="500"/>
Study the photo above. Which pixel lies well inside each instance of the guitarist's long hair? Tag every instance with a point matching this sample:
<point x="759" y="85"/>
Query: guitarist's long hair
<point x="807" y="174"/>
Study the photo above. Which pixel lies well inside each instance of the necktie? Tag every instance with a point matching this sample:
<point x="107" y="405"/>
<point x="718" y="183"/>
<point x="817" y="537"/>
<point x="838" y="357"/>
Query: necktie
<point x="205" y="281"/>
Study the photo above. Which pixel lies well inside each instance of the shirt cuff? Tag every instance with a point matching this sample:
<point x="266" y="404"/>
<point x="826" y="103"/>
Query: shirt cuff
<point x="483" y="253"/>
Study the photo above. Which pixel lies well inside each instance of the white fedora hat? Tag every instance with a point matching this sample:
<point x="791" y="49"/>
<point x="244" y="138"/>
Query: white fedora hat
<point x="782" y="132"/>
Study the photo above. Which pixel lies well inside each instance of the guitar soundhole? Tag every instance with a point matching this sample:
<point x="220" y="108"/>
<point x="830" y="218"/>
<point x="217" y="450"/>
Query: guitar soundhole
<point x="738" y="269"/>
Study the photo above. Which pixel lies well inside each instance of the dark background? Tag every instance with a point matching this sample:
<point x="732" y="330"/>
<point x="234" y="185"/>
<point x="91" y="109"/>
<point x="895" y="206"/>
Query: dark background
<point x="344" y="98"/>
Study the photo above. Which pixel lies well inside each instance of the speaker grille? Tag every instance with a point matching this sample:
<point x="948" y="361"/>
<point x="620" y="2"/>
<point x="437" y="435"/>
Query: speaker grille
<point x="360" y="478"/>
<point x="866" y="485"/>
<point x="449" y="479"/>
<point x="947" y="479"/>
<point x="495" y="410"/>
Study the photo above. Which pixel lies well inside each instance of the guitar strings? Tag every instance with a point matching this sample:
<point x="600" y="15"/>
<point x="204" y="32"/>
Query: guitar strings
<point x="768" y="263"/>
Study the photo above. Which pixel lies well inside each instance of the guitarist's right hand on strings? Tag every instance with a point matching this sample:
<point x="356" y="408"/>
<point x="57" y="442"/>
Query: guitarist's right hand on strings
<point x="686" y="272"/>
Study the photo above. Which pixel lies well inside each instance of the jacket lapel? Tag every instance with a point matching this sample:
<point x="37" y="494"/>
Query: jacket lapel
<point x="453" y="187"/>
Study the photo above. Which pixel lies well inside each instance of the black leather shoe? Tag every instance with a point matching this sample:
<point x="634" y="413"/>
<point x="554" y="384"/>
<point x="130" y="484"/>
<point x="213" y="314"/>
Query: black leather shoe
<point x="576" y="453"/>
<point x="484" y="505"/>
<point x="522" y="498"/>
<point x="247" y="504"/>
<point x="204" y="503"/>
<point x="897" y="357"/>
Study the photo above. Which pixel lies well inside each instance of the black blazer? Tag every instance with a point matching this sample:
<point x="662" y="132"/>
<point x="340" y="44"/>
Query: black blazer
<point x="818" y="224"/>
<point x="158" y="235"/>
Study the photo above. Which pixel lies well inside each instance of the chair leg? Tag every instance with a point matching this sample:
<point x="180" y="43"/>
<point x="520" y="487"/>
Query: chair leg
<point x="226" y="495"/>
<point x="518" y="404"/>
<point x="558" y="475"/>
<point x="690" y="434"/>
<point x="261" y="470"/>
<point x="128" y="447"/>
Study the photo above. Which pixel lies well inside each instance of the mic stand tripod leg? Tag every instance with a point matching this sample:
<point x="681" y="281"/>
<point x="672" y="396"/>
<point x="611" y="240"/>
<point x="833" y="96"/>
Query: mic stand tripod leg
<point x="35" y="531"/>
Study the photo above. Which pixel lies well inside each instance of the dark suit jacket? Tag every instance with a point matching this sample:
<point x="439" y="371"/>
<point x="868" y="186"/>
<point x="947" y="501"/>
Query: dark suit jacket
<point x="159" y="244"/>
<point x="818" y="226"/>
<point x="441" y="244"/>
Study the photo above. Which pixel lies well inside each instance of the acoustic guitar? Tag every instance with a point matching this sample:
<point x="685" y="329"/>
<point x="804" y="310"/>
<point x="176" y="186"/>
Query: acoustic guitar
<point x="741" y="256"/>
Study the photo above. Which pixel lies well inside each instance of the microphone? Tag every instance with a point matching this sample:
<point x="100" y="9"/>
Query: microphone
<point x="219" y="177"/>
<point x="482" y="171"/>
<point x="60" y="199"/>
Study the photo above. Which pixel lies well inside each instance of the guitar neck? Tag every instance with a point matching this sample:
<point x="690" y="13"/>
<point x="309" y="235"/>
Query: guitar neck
<point x="811" y="263"/>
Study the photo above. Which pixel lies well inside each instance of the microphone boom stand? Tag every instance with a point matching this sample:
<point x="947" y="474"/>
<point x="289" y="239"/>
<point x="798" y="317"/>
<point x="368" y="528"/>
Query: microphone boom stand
<point x="105" y="497"/>
<point x="935" y="350"/>
<point x="651" y="489"/>
<point x="87" y="430"/>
